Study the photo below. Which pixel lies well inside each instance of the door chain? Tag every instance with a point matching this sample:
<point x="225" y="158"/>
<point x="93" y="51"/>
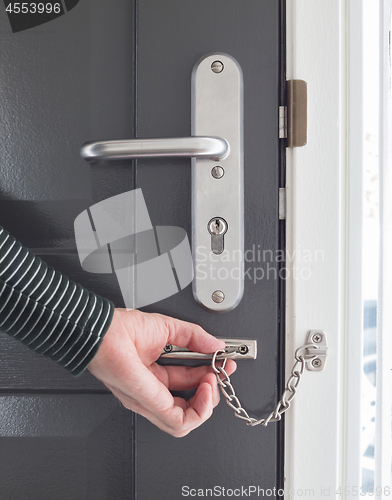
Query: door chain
<point x="303" y="355"/>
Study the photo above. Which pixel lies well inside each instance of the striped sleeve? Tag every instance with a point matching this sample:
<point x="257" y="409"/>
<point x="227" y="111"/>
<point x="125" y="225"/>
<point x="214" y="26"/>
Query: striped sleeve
<point x="46" y="311"/>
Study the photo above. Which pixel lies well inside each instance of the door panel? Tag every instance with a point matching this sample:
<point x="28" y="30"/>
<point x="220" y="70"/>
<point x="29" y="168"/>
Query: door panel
<point x="63" y="446"/>
<point x="172" y="36"/>
<point x="62" y="83"/>
<point x="122" y="69"/>
<point x="73" y="80"/>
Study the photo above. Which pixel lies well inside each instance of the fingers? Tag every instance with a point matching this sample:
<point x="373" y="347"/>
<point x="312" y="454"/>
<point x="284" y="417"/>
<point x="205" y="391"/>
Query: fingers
<point x="191" y="336"/>
<point x="182" y="378"/>
<point x="230" y="367"/>
<point x="175" y="415"/>
<point x="200" y="407"/>
<point x="127" y="368"/>
<point x="215" y="393"/>
<point x="182" y="403"/>
<point x="186" y="416"/>
<point x="182" y="416"/>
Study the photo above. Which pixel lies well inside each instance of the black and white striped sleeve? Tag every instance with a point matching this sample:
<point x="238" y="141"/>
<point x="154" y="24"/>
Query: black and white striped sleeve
<point x="46" y="311"/>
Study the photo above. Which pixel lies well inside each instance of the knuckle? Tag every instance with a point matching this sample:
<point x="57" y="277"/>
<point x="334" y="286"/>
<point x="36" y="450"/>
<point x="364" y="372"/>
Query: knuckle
<point x="139" y="316"/>
<point x="179" y="433"/>
<point x="178" y="429"/>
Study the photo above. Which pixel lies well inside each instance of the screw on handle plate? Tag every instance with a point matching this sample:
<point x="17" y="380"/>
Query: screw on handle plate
<point x="312" y="354"/>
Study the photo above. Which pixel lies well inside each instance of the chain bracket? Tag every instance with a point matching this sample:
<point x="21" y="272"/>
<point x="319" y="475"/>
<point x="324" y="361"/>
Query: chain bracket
<point x="312" y="355"/>
<point x="318" y="355"/>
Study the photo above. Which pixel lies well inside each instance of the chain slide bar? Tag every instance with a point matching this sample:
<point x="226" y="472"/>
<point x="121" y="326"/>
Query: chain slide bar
<point x="303" y="356"/>
<point x="235" y="349"/>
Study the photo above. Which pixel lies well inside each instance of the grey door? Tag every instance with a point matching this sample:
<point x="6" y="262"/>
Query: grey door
<point x="121" y="69"/>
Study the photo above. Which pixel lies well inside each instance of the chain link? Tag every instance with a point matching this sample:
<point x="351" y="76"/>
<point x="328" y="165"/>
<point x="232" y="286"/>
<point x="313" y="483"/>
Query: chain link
<point x="287" y="396"/>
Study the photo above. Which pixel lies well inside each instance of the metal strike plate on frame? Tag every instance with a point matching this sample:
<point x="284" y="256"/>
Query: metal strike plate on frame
<point x="316" y="354"/>
<point x="216" y="149"/>
<point x="235" y="349"/>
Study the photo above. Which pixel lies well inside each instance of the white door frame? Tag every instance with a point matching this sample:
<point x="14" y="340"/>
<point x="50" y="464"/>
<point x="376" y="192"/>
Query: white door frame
<point x="324" y="190"/>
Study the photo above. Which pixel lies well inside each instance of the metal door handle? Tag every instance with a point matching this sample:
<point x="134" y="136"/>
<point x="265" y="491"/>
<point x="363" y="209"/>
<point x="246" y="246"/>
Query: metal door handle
<point x="214" y="148"/>
<point x="217" y="157"/>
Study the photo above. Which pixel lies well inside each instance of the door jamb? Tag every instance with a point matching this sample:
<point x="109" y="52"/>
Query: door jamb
<point x="321" y="51"/>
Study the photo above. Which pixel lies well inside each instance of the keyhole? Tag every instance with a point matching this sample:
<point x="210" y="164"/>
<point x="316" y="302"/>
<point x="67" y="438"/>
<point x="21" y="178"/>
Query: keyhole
<point x="217" y="227"/>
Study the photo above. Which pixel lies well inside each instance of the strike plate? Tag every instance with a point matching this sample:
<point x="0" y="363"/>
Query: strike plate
<point x="316" y="354"/>
<point x="218" y="186"/>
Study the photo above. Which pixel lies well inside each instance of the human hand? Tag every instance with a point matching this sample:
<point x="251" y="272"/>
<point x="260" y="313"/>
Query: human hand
<point x="126" y="364"/>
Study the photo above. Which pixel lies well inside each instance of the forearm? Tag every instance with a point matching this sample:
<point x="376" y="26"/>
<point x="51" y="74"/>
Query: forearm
<point x="46" y="311"/>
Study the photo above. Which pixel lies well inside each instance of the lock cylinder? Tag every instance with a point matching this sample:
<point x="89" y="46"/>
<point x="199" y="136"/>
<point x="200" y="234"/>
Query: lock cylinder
<point x="217" y="227"/>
